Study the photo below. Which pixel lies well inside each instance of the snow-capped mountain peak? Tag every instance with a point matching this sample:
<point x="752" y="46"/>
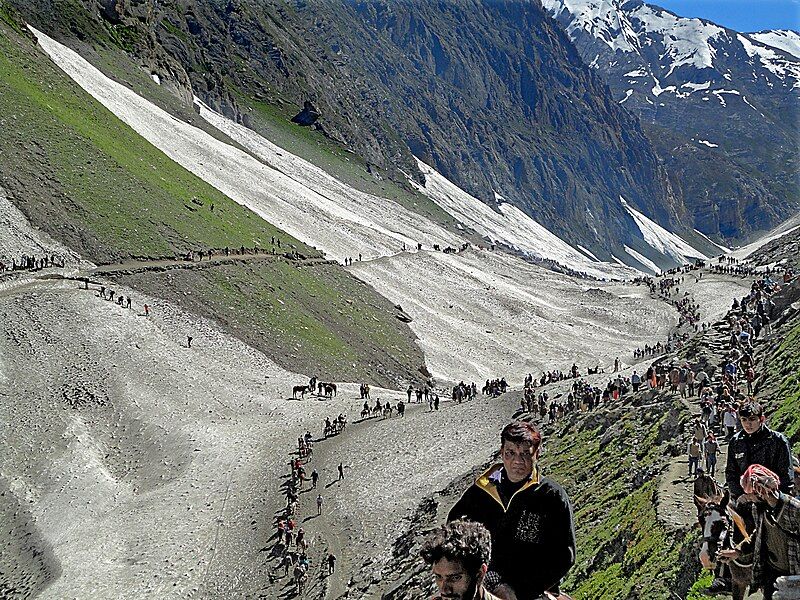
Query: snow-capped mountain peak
<point x="670" y="50"/>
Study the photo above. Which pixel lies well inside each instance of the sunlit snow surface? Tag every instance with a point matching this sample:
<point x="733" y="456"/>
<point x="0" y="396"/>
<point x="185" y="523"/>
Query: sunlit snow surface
<point x="662" y="240"/>
<point x="511" y="226"/>
<point x="786" y="40"/>
<point x="687" y="42"/>
<point x="628" y="27"/>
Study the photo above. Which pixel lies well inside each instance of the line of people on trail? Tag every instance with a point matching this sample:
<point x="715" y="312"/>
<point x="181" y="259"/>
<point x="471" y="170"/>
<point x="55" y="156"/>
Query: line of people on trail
<point x="423" y="394"/>
<point x="292" y="542"/>
<point x="675" y="341"/>
<point x="382" y="409"/>
<point x="209" y="253"/>
<point x="751" y="528"/>
<point x="582" y="397"/>
<point x="28" y="262"/>
<point x="746" y="271"/>
<point x="108" y="295"/>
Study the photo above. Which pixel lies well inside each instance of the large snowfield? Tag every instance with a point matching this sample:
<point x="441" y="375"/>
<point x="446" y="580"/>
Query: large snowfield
<point x="165" y="484"/>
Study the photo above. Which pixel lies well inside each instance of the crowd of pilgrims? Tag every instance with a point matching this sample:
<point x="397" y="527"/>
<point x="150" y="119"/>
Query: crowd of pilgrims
<point x="719" y="401"/>
<point x="31" y="263"/>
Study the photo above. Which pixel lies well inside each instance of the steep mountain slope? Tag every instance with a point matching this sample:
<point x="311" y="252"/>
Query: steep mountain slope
<point x="89" y="181"/>
<point x="494" y="98"/>
<point x="721" y="107"/>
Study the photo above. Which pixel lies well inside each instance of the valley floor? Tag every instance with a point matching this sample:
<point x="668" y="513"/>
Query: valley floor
<point x="146" y="468"/>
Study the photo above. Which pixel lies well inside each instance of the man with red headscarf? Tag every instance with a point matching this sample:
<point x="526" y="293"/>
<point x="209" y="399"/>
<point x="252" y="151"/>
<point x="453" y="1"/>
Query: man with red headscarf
<point x="776" y="550"/>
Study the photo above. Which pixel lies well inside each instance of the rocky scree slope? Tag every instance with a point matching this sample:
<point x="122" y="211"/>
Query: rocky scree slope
<point x="720" y="107"/>
<point x="494" y="97"/>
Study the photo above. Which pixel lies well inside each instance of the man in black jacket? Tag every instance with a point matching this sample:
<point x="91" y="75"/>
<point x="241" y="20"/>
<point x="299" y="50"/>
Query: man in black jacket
<point x="757" y="444"/>
<point x="529" y="518"/>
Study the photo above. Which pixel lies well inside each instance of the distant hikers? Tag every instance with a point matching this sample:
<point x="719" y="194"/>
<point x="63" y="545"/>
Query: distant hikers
<point x="459" y="554"/>
<point x="529" y="517"/>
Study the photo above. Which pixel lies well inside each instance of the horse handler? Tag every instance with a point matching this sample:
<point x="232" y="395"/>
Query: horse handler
<point x="776" y="550"/>
<point x="529" y="518"/>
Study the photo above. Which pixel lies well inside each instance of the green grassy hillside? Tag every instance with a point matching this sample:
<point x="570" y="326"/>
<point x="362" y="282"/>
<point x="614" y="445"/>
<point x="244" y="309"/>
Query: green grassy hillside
<point x="314" y="319"/>
<point x="89" y="180"/>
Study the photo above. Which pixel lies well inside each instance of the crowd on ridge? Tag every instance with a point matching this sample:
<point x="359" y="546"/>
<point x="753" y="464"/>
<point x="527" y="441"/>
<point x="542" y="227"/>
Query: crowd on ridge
<point x="31" y="262"/>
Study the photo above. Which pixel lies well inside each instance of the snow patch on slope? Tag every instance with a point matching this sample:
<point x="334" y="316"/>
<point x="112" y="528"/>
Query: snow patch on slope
<point x="644" y="260"/>
<point x="782" y="39"/>
<point x="687" y="41"/>
<point x="510" y="226"/>
<point x="775" y="62"/>
<point x="284" y="190"/>
<point x="665" y="242"/>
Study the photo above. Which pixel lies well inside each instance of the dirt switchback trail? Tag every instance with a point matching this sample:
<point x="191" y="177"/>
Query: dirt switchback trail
<point x="714" y="293"/>
<point x="675" y="498"/>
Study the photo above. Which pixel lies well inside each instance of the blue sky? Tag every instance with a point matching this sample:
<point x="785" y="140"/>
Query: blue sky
<point x="741" y="15"/>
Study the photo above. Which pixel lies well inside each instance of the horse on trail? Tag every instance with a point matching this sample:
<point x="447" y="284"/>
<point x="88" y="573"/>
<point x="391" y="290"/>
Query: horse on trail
<point x="725" y="528"/>
<point x="300" y="389"/>
<point x="378" y="409"/>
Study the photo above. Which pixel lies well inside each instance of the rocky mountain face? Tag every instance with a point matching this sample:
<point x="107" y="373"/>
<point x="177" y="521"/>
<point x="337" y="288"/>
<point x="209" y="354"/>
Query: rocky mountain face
<point x="721" y="107"/>
<point x="493" y="95"/>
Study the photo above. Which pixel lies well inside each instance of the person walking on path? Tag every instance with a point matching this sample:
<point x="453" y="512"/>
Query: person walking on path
<point x="319" y="504"/>
<point x="189" y="341"/>
<point x="314" y="478"/>
<point x="695" y="453"/>
<point x="700" y="430"/>
<point x="729" y="421"/>
<point x="711" y="450"/>
<point x="341" y="471"/>
<point x="331" y="563"/>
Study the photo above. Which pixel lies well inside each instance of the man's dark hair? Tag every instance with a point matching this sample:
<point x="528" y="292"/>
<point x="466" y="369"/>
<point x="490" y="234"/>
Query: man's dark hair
<point x="751" y="409"/>
<point x="519" y="432"/>
<point x="463" y="541"/>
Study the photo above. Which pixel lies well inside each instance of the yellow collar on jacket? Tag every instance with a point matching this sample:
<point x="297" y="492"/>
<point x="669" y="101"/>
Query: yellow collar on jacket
<point x="487" y="482"/>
